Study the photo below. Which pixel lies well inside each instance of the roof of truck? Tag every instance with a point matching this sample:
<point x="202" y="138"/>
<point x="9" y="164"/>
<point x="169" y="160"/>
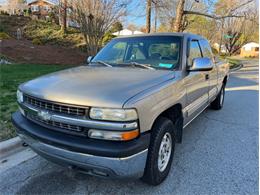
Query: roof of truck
<point x="194" y="36"/>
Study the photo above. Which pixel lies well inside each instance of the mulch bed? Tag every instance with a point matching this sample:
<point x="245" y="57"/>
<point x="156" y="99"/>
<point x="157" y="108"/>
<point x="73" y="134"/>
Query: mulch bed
<point x="23" y="51"/>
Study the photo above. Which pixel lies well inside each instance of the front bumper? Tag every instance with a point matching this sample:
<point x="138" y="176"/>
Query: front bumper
<point x="95" y="157"/>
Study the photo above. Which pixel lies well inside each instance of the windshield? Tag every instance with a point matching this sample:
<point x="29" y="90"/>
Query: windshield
<point x="159" y="52"/>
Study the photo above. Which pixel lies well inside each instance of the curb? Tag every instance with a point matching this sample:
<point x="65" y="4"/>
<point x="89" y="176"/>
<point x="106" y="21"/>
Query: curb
<point x="237" y="68"/>
<point x="10" y="146"/>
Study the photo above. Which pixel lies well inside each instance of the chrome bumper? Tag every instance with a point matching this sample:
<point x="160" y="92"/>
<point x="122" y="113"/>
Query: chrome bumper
<point x="132" y="166"/>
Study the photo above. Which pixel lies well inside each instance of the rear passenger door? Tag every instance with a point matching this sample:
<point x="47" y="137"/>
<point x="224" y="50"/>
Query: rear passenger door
<point x="213" y="74"/>
<point x="197" y="84"/>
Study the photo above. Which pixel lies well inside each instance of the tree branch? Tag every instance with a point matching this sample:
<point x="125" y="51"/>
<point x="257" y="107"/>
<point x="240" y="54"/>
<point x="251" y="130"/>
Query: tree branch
<point x="212" y="16"/>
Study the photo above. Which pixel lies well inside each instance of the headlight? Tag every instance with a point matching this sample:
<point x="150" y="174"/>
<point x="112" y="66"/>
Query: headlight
<point x="113" y="135"/>
<point x="19" y="95"/>
<point x="113" y="114"/>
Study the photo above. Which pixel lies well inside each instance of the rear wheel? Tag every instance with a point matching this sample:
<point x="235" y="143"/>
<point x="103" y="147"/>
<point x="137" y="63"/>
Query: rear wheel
<point x="160" y="153"/>
<point x="218" y="103"/>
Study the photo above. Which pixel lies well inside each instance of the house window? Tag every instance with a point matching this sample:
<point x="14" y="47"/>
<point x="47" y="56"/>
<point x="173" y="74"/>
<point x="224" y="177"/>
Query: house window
<point x="46" y="8"/>
<point x="35" y="8"/>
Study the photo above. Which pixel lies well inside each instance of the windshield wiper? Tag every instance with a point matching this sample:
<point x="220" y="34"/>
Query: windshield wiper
<point x="147" y="66"/>
<point x="102" y="63"/>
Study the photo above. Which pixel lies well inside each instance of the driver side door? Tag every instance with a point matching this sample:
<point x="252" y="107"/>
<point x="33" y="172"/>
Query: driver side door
<point x="196" y="83"/>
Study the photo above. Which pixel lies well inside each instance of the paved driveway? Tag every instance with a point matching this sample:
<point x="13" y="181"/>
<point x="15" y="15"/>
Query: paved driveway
<point x="219" y="155"/>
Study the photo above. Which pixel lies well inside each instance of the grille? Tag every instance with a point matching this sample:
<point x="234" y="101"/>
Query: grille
<point x="56" y="124"/>
<point x="55" y="107"/>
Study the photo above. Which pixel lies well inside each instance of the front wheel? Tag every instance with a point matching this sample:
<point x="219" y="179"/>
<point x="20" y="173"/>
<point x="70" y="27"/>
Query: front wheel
<point x="218" y="103"/>
<point x="160" y="153"/>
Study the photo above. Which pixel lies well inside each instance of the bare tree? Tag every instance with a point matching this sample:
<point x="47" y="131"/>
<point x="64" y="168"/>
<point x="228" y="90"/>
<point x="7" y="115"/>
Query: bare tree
<point x="239" y="31"/>
<point x="95" y="17"/>
<point x="16" y="6"/>
<point x="178" y="14"/>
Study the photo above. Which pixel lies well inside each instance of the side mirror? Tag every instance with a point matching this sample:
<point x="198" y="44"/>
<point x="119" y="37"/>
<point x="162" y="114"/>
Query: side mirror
<point x="89" y="59"/>
<point x="201" y="64"/>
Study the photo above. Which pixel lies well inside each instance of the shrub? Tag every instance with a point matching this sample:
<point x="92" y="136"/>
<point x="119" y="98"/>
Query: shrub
<point x="37" y="41"/>
<point x="4" y="35"/>
<point x="214" y="50"/>
<point x="107" y="37"/>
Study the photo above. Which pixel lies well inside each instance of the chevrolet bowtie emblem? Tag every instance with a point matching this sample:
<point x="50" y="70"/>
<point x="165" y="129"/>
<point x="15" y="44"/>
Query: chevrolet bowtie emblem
<point x="44" y="115"/>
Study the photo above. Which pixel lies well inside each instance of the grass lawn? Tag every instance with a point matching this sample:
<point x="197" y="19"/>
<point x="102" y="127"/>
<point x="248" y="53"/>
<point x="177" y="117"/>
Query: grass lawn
<point x="10" y="77"/>
<point x="233" y="62"/>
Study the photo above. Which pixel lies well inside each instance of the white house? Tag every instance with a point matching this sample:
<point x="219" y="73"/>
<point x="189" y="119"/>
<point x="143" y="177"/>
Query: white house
<point x="250" y="50"/>
<point x="125" y="32"/>
<point x="223" y="48"/>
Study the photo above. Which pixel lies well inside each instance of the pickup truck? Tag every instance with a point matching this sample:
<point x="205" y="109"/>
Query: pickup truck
<point x="121" y="114"/>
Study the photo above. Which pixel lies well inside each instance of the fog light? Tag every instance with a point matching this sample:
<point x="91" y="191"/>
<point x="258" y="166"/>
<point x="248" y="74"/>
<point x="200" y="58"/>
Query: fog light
<point x="113" y="135"/>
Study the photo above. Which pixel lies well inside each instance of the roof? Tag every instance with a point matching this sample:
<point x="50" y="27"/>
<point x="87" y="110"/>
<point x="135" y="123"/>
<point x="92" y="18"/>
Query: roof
<point x="53" y="2"/>
<point x="126" y="32"/>
<point x="193" y="36"/>
<point x="250" y="45"/>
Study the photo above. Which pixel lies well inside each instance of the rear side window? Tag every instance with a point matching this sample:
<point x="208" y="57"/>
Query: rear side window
<point x="206" y="49"/>
<point x="194" y="52"/>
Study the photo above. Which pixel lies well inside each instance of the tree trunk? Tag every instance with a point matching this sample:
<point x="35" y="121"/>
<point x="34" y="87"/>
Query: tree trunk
<point x="179" y="16"/>
<point x="64" y="16"/>
<point x="221" y="36"/>
<point x="148" y="16"/>
<point x="155" y="17"/>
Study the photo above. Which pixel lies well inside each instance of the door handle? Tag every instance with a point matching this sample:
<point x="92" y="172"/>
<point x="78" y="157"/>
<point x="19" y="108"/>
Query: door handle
<point x="207" y="77"/>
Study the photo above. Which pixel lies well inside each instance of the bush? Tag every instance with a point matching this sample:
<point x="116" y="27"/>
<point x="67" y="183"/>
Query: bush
<point x="214" y="50"/>
<point x="4" y="35"/>
<point x="107" y="37"/>
<point x="37" y="41"/>
<point x="49" y="33"/>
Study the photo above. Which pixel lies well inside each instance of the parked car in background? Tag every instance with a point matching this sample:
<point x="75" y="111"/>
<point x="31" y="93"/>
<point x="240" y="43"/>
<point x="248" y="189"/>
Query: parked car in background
<point x="122" y="114"/>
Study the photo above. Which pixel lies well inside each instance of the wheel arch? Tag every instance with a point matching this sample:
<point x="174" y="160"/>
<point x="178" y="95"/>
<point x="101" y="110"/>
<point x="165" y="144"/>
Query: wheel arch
<point x="174" y="113"/>
<point x="225" y="80"/>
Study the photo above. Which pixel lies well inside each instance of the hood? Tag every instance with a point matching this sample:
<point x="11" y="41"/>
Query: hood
<point x="95" y="86"/>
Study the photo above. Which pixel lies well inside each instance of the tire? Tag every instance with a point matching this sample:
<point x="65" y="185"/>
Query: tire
<point x="155" y="172"/>
<point x="218" y="103"/>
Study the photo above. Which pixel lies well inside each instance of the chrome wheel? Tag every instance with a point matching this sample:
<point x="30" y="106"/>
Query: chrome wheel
<point x="165" y="152"/>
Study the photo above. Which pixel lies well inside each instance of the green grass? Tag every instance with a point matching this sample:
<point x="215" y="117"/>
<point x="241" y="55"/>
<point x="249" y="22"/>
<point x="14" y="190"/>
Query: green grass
<point x="10" y="77"/>
<point x="234" y="62"/>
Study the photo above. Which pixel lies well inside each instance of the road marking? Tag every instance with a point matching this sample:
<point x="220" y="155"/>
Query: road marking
<point x="251" y="87"/>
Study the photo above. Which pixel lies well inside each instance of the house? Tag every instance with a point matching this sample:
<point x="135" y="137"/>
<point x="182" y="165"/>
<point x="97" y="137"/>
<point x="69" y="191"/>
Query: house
<point x="126" y="32"/>
<point x="250" y="50"/>
<point x="40" y="9"/>
<point x="223" y="48"/>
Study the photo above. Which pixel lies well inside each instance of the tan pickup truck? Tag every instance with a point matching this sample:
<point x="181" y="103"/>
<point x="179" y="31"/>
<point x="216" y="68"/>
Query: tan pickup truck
<point x="122" y="113"/>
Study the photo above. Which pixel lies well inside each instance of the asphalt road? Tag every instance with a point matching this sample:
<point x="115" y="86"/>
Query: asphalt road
<point x="219" y="155"/>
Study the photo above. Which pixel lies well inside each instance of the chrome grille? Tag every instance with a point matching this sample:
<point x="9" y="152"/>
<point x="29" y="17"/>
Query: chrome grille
<point x="55" y="124"/>
<point x="55" y="107"/>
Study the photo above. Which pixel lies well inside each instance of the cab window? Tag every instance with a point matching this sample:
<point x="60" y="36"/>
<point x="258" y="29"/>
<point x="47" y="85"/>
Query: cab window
<point x="206" y="49"/>
<point x="194" y="52"/>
